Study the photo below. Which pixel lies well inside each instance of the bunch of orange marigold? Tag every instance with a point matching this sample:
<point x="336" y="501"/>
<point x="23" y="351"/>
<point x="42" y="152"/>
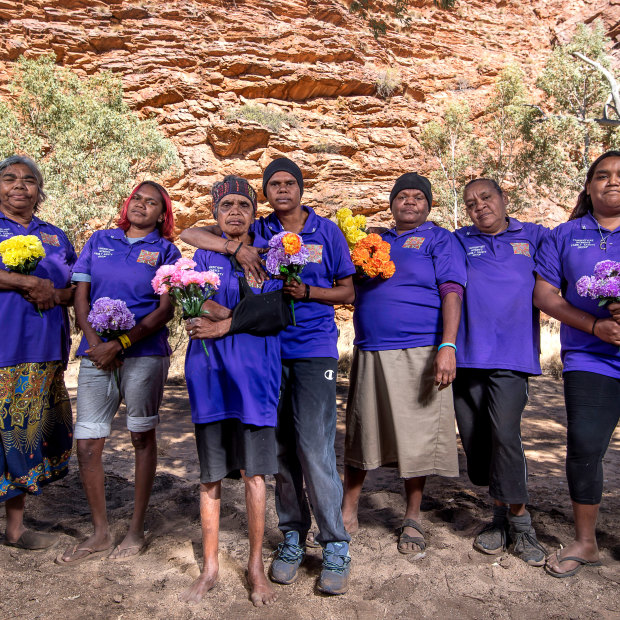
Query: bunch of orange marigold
<point x="371" y="256"/>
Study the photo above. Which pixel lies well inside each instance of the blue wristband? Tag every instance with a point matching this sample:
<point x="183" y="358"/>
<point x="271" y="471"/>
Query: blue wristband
<point x="446" y="344"/>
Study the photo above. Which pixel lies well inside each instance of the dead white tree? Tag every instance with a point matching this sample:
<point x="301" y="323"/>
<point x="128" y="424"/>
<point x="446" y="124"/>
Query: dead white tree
<point x="613" y="100"/>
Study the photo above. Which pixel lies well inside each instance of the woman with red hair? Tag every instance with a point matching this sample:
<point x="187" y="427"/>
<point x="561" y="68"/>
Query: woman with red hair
<point x="120" y="263"/>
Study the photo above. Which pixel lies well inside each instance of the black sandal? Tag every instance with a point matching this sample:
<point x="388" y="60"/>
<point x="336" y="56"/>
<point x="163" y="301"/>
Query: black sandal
<point x="404" y="539"/>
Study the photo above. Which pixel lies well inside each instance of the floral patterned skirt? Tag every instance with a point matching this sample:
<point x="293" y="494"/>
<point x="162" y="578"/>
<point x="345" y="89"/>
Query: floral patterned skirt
<point x="36" y="427"/>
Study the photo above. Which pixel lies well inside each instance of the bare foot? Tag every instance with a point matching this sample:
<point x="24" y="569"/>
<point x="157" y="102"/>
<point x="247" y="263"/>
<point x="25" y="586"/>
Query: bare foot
<point x="201" y="586"/>
<point x="351" y="523"/>
<point x="131" y="546"/>
<point x="587" y="552"/>
<point x="261" y="592"/>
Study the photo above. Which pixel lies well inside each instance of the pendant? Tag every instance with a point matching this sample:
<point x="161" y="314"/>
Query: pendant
<point x="603" y="245"/>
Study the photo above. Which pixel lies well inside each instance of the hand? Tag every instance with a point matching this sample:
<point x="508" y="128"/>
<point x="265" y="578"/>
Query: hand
<point x="445" y="367"/>
<point x="201" y="327"/>
<point x="41" y="293"/>
<point x="294" y="289"/>
<point x="250" y="259"/>
<point x="216" y="311"/>
<point x="105" y="355"/>
<point x="614" y="310"/>
<point x="608" y="331"/>
<point x="64" y="296"/>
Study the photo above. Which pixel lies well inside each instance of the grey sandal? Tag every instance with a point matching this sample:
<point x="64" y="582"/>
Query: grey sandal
<point x="404" y="539"/>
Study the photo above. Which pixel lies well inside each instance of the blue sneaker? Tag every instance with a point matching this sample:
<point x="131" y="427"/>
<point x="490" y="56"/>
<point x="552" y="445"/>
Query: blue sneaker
<point x="334" y="577"/>
<point x="288" y="558"/>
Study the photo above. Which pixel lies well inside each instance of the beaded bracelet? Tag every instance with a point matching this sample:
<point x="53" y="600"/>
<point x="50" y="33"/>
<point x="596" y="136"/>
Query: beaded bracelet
<point x="446" y="344"/>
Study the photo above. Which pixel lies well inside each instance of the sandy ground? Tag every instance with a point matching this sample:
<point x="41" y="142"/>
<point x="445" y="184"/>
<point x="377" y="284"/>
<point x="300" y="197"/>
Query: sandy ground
<point x="453" y="580"/>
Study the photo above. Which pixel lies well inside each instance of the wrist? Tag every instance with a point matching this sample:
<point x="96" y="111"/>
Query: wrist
<point x="596" y="320"/>
<point x="449" y="345"/>
<point x="306" y="296"/>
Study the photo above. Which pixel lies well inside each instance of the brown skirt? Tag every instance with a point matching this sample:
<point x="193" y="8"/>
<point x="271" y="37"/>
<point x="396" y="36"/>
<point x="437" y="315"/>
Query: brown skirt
<point x="397" y="417"/>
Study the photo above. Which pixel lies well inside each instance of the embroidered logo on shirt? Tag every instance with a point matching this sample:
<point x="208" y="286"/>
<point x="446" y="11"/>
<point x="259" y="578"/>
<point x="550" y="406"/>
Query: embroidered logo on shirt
<point x="315" y="253"/>
<point x="521" y="248"/>
<point x="5" y="232"/>
<point x="149" y="258"/>
<point x="103" y="252"/>
<point x="50" y="239"/>
<point x="582" y="244"/>
<point x="476" y="250"/>
<point x="251" y="280"/>
<point x="414" y="242"/>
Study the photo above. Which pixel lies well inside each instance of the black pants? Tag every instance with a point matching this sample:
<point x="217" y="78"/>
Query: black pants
<point x="592" y="413"/>
<point x="305" y="435"/>
<point x="489" y="405"/>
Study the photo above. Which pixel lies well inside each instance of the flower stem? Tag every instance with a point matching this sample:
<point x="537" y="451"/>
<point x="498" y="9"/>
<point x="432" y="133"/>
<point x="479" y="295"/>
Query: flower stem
<point x="204" y="346"/>
<point x="293" y="311"/>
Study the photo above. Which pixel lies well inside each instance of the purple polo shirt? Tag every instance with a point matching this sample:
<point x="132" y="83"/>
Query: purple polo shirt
<point x="315" y="334"/>
<point x="121" y="270"/>
<point x="499" y="324"/>
<point x="570" y="251"/>
<point x="404" y="311"/>
<point x="241" y="377"/>
<point x="26" y="336"/>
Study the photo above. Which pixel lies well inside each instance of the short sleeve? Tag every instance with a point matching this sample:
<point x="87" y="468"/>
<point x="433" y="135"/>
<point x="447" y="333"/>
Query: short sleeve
<point x="71" y="254"/>
<point x="201" y="258"/>
<point x="84" y="262"/>
<point x="171" y="255"/>
<point x="542" y="232"/>
<point x="343" y="266"/>
<point x="448" y="258"/>
<point x="80" y="277"/>
<point x="548" y="259"/>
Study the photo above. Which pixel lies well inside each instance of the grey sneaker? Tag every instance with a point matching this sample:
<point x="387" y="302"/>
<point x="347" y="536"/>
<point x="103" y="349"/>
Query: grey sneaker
<point x="491" y="539"/>
<point x="334" y="577"/>
<point x="526" y="546"/>
<point x="289" y="556"/>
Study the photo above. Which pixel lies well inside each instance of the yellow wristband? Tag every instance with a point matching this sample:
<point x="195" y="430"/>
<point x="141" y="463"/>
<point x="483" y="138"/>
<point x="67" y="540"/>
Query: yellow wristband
<point x="124" y="340"/>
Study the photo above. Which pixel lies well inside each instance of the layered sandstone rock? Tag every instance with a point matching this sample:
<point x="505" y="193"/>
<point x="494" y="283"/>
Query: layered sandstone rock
<point x="194" y="63"/>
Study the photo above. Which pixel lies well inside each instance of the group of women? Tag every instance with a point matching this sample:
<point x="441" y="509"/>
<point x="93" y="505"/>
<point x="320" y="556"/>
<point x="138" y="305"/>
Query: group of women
<point x="454" y="331"/>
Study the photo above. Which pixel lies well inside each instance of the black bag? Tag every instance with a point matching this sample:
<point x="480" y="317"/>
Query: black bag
<point x="262" y="314"/>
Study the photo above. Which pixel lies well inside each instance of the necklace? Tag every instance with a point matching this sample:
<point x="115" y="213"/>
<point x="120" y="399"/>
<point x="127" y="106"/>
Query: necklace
<point x="603" y="242"/>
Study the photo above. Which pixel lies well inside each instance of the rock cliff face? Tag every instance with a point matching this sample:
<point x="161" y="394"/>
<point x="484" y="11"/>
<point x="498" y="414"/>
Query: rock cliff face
<point x="194" y="63"/>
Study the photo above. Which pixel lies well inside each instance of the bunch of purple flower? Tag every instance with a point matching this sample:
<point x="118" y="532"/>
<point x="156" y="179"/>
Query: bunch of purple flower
<point x="604" y="285"/>
<point x="287" y="255"/>
<point x="110" y="317"/>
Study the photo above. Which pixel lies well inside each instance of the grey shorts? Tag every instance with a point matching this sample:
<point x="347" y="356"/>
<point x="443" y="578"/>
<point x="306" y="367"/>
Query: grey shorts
<point x="142" y="382"/>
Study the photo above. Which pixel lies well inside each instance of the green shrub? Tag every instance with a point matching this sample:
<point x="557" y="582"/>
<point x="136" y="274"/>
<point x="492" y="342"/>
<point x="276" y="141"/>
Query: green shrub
<point x="90" y="145"/>
<point x="322" y="146"/>
<point x="387" y="82"/>
<point x="261" y="114"/>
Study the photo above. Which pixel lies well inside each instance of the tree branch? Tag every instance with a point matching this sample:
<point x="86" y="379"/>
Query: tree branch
<point x="613" y="86"/>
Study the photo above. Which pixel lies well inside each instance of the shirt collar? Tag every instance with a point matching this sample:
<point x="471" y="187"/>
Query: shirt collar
<point x="588" y="222"/>
<point x="35" y="220"/>
<point x="513" y="225"/>
<point x="119" y="233"/>
<point x="310" y="225"/>
<point x="422" y="227"/>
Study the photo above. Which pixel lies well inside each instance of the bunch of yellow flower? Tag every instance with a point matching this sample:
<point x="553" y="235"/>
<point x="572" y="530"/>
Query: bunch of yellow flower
<point x="21" y="253"/>
<point x="352" y="226"/>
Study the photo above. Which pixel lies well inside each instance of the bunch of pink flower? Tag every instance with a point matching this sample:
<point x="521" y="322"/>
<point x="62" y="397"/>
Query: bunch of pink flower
<point x="188" y="289"/>
<point x="182" y="275"/>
